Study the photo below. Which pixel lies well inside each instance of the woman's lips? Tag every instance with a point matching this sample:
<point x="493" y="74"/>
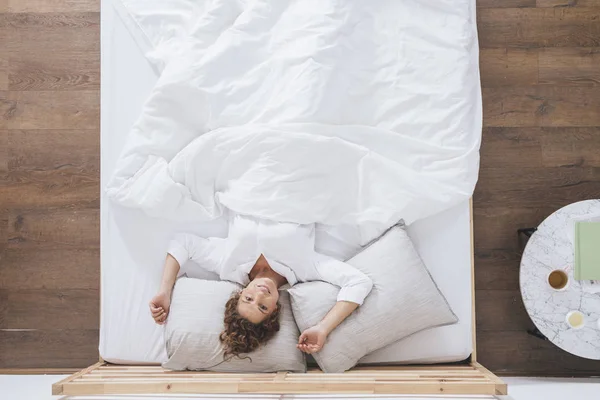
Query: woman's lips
<point x="264" y="288"/>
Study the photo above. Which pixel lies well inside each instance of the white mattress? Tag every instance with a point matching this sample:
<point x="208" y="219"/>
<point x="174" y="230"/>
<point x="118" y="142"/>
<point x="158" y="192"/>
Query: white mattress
<point x="133" y="245"/>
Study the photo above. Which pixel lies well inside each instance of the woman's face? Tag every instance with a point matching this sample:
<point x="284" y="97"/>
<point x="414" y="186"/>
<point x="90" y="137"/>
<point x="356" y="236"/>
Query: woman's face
<point x="258" y="300"/>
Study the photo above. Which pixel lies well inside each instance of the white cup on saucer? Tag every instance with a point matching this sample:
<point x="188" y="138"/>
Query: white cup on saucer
<point x="575" y="319"/>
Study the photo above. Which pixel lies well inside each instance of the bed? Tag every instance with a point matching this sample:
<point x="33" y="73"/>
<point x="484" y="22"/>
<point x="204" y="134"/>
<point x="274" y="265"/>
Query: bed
<point x="131" y="345"/>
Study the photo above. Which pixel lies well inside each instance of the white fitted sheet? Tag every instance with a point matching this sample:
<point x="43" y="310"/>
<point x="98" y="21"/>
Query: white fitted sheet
<point x="133" y="245"/>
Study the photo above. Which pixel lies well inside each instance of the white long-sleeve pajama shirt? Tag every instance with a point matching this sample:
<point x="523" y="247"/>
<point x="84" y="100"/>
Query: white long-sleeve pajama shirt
<point x="288" y="248"/>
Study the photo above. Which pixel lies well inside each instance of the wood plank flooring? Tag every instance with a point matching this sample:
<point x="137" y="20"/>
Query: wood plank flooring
<point x="49" y="183"/>
<point x="540" y="69"/>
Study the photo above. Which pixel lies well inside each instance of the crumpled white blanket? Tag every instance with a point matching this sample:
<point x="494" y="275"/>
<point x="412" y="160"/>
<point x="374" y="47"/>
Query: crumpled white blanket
<point x="342" y="113"/>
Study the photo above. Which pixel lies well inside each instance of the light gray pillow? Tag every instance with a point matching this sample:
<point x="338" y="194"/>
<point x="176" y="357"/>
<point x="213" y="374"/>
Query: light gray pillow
<point x="404" y="300"/>
<point x="196" y="320"/>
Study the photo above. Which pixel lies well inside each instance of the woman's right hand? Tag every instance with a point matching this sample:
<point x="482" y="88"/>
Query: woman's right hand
<point x="159" y="307"/>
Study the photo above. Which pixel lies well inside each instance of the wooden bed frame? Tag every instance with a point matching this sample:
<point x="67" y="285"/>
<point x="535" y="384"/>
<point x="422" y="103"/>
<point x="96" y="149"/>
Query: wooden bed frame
<point x="106" y="379"/>
<point x="468" y="378"/>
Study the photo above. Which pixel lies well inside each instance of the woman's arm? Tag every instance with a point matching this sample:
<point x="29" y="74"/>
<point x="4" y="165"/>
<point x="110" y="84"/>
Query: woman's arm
<point x="313" y="339"/>
<point x="161" y="303"/>
<point x="182" y="248"/>
<point x="206" y="252"/>
<point x="339" y="312"/>
<point x="354" y="288"/>
<point x="170" y="272"/>
<point x="354" y="285"/>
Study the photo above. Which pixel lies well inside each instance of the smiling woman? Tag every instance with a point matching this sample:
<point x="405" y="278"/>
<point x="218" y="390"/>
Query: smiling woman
<point x="263" y="256"/>
<point x="258" y="300"/>
<point x="241" y="335"/>
<point x="252" y="315"/>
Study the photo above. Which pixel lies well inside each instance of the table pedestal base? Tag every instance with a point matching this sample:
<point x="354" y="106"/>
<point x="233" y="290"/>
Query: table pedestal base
<point x="536" y="332"/>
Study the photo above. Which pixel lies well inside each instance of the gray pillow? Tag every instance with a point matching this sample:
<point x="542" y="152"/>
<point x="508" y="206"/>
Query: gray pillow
<point x="196" y="320"/>
<point x="404" y="300"/>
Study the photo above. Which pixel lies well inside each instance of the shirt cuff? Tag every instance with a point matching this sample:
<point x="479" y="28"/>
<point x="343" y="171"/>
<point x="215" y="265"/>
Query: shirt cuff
<point x="354" y="294"/>
<point x="178" y="252"/>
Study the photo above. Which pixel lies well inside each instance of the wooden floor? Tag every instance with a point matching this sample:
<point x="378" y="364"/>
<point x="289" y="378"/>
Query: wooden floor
<point x="540" y="66"/>
<point x="50" y="182"/>
<point x="540" y="70"/>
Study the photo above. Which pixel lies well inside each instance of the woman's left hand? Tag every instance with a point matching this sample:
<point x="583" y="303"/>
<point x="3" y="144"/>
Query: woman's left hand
<point x="312" y="340"/>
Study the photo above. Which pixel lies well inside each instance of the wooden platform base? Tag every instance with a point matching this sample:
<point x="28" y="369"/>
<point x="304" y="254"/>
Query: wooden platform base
<point x="103" y="378"/>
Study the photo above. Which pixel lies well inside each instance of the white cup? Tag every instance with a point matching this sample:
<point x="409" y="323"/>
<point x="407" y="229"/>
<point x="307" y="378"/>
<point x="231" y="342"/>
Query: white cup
<point x="575" y="319"/>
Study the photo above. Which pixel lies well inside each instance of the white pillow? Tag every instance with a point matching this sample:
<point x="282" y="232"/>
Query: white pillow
<point x="196" y="320"/>
<point x="404" y="300"/>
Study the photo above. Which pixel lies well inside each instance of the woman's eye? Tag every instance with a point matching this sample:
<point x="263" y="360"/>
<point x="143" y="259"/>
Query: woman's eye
<point x="264" y="308"/>
<point x="248" y="298"/>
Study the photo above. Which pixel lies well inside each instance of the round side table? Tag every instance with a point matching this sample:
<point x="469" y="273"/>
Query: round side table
<point x="548" y="249"/>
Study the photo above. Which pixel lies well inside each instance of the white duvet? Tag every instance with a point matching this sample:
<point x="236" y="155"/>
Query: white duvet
<point x="342" y="113"/>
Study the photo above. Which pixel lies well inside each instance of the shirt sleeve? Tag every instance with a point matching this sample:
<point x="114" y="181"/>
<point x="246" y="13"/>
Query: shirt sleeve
<point x="204" y="251"/>
<point x="354" y="285"/>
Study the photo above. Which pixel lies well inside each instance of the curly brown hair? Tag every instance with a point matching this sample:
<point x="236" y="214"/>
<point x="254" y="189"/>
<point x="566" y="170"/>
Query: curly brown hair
<point x="241" y="336"/>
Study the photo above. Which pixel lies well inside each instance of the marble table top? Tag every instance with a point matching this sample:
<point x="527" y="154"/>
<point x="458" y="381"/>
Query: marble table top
<point x="550" y="248"/>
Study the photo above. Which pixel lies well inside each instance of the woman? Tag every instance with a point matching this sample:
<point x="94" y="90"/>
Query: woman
<point x="263" y="256"/>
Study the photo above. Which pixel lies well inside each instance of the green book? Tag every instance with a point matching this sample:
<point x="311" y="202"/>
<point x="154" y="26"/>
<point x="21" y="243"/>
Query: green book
<point x="587" y="251"/>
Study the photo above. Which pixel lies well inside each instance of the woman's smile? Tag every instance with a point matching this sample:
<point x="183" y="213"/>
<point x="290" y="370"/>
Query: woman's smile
<point x="264" y="288"/>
